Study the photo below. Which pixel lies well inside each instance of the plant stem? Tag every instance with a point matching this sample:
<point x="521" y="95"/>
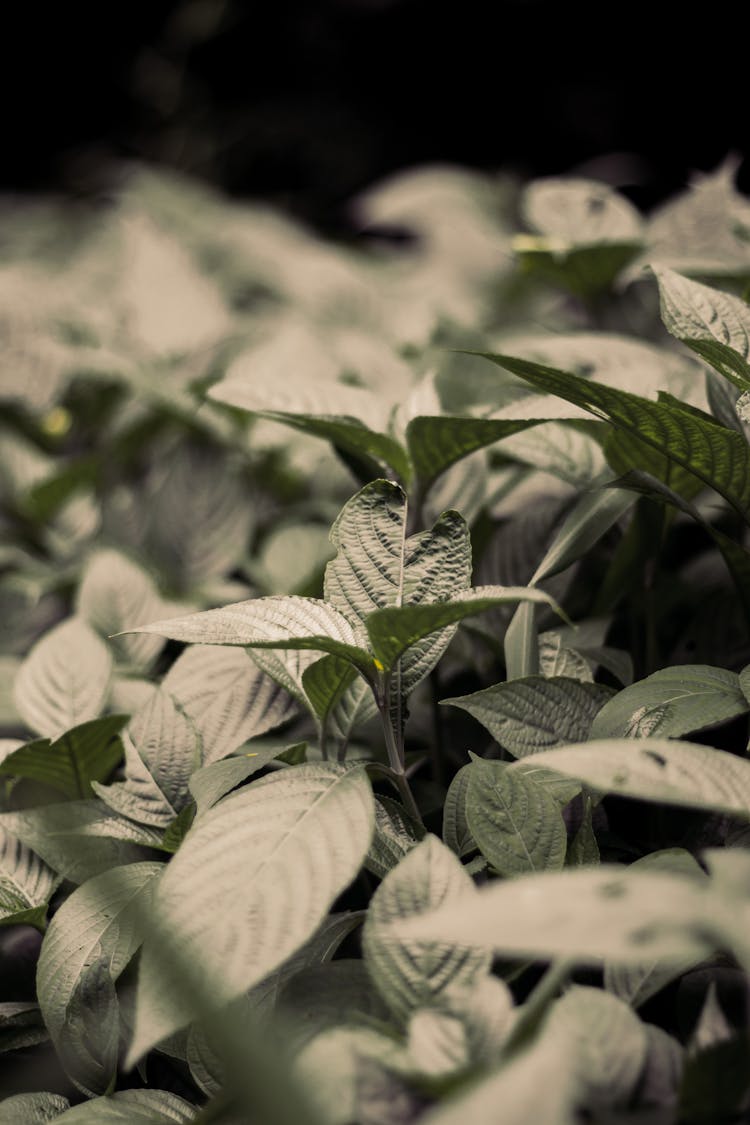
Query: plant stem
<point x="437" y="748"/>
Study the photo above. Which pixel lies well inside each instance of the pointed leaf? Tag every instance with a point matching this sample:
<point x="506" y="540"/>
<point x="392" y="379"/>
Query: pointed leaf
<point x="252" y="881"/>
<point x="672" y="702"/>
<point x="635" y="984"/>
<point x="411" y="974"/>
<point x="78" y="839"/>
<point x="516" y="823"/>
<point x="436" y="443"/>
<point x="336" y="422"/>
<point x="639" y="915"/>
<point x="609" y="1041"/>
<point x="26" y="882"/>
<point x="169" y="745"/>
<point x="227" y="697"/>
<point x="654" y="769"/>
<point x="89" y="943"/>
<point x="210" y="784"/>
<point x="456" y="832"/>
<point x="396" y="833"/>
<point x="277" y="622"/>
<point x="86" y="753"/>
<point x="32" y="1109"/>
<point x="377" y="566"/>
<point x="714" y="324"/>
<point x="132" y="1107"/>
<point x="393" y="631"/>
<point x="64" y="680"/>
<point x="138" y="797"/>
<point x="115" y="592"/>
<point x="591" y="517"/>
<point x="717" y="456"/>
<point x="533" y="713"/>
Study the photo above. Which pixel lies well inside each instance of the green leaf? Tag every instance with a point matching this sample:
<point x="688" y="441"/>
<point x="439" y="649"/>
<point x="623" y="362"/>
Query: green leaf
<point x="336" y="421"/>
<point x="714" y="324"/>
<point x="132" y="1107"/>
<point x="639" y="915"/>
<point x="378" y="566"/>
<point x="456" y="832"/>
<point x="79" y="839"/>
<point x="516" y="823"/>
<point x="396" y="833"/>
<point x="277" y="622"/>
<point x="593" y="514"/>
<point x="672" y="702"/>
<point x="609" y="1042"/>
<point x="536" y="1085"/>
<point x="635" y="984"/>
<point x="115" y="592"/>
<point x="90" y="941"/>
<point x="521" y="643"/>
<point x="227" y="697"/>
<point x="209" y="784"/>
<point x="717" y="456"/>
<point x="138" y="797"/>
<point x="325" y="996"/>
<point x="533" y="713"/>
<point x="26" y="883"/>
<point x="252" y="881"/>
<point x="392" y="631"/>
<point x="64" y="680"/>
<point x="325" y="682"/>
<point x="21" y="1026"/>
<point x="169" y="745"/>
<point x="199" y="518"/>
<point x="86" y="753"/>
<point x="411" y="974"/>
<point x="655" y="769"/>
<point x="32" y="1109"/>
<point x="436" y="443"/>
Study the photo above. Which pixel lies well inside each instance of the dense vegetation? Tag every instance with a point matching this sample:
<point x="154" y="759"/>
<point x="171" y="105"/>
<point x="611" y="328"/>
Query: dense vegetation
<point x="377" y="670"/>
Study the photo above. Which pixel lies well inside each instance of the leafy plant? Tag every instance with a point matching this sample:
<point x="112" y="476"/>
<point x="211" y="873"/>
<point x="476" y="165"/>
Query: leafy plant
<point x="376" y="674"/>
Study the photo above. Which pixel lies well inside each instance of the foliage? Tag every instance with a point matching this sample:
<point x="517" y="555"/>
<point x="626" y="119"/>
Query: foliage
<point x="376" y="672"/>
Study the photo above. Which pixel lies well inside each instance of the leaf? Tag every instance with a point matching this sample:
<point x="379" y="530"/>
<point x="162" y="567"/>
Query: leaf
<point x="609" y="1044"/>
<point x="32" y="1109"/>
<point x="199" y="515"/>
<point x="89" y="943"/>
<point x="138" y="797"/>
<point x="377" y="566"/>
<point x="21" y="1026"/>
<point x="672" y="702"/>
<point x="396" y="833"/>
<point x="533" y="713"/>
<point x="276" y="622"/>
<point x="456" y="832"/>
<point x="521" y="643"/>
<point x="591" y="517"/>
<point x="655" y="769"/>
<point x="26" y="883"/>
<point x="411" y="974"/>
<point x="639" y="915"/>
<point x="115" y="592"/>
<point x="516" y="823"/>
<point x="227" y="697"/>
<point x="536" y="1085"/>
<point x="64" y="680"/>
<point x="580" y="212"/>
<point x="168" y="744"/>
<point x="252" y="881"/>
<point x="132" y="1107"/>
<point x="635" y="984"/>
<point x="436" y="443"/>
<point x="714" y="324"/>
<point x="325" y="682"/>
<point x="717" y="456"/>
<point x="335" y="421"/>
<point x="209" y="784"/>
<point x="84" y="754"/>
<point x="78" y="839"/>
<point x="325" y="996"/>
<point x="392" y="631"/>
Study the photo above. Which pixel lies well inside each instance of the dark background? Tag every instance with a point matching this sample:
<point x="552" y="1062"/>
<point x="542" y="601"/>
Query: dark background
<point x="307" y="103"/>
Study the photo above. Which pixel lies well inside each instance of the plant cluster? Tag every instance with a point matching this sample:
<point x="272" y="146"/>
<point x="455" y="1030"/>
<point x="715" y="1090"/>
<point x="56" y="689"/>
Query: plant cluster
<point x="376" y="669"/>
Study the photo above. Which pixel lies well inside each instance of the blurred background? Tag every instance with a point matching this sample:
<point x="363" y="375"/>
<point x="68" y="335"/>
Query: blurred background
<point x="306" y="103"/>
